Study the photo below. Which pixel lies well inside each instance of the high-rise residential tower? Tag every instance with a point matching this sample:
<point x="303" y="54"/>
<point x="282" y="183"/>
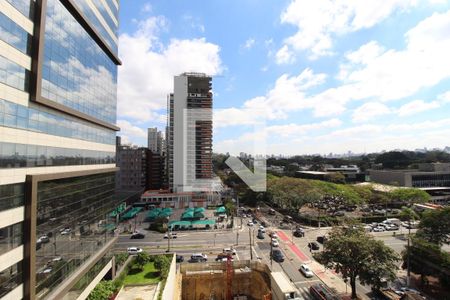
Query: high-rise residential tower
<point x="155" y="141"/>
<point x="190" y="131"/>
<point x="58" y="81"/>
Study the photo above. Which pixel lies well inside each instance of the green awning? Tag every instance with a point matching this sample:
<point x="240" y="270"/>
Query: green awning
<point x="221" y="210"/>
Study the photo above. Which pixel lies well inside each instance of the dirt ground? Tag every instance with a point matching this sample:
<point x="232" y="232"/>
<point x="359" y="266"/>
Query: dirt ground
<point x="137" y="292"/>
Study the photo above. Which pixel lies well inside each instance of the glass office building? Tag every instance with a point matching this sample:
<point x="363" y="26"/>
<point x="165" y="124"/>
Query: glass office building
<point x="58" y="85"/>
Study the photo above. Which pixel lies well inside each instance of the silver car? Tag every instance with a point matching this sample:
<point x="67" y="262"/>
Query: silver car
<point x="306" y="271"/>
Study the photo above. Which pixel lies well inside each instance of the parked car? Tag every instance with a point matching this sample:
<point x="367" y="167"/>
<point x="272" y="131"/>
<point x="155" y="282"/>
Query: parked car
<point x="274" y="235"/>
<point x="179" y="258"/>
<point x="299" y="232"/>
<point x="306" y="271"/>
<point x="198" y="257"/>
<point x="378" y="229"/>
<point x="137" y="235"/>
<point x="230" y="250"/>
<point x="134" y="250"/>
<point x="173" y="235"/>
<point x="66" y="231"/>
<point x="277" y="255"/>
<point x="314" y="246"/>
<point x="250" y="223"/>
<point x="223" y="256"/>
<point x="321" y="239"/>
<point x="260" y="235"/>
<point x="275" y="243"/>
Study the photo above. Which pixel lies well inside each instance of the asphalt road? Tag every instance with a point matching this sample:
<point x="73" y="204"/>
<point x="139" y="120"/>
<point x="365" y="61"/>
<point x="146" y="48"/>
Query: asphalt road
<point x="213" y="241"/>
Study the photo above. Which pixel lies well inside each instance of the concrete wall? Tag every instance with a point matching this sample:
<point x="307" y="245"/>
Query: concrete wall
<point x="389" y="177"/>
<point x="171" y="288"/>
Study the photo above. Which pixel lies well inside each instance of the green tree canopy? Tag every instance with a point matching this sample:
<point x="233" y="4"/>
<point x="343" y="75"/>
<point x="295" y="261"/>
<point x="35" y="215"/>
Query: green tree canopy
<point x="435" y="226"/>
<point x="142" y="259"/>
<point x="103" y="290"/>
<point x="353" y="253"/>
<point x="162" y="263"/>
<point x="409" y="195"/>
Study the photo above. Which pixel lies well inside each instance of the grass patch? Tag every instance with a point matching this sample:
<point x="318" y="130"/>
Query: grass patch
<point x="149" y="275"/>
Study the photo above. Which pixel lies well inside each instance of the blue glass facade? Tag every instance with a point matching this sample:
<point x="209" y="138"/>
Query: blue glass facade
<point x="94" y="21"/>
<point x="37" y="119"/>
<point x="14" y="35"/>
<point x="114" y="9"/>
<point x="26" y="7"/>
<point x="76" y="72"/>
<point x="80" y="207"/>
<point x="14" y="75"/>
<point x="106" y="16"/>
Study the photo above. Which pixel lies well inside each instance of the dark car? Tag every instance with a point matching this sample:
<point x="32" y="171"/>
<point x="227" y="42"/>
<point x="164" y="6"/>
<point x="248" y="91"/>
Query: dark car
<point x="277" y="255"/>
<point x="299" y="232"/>
<point x="321" y="239"/>
<point x="313" y="246"/>
<point x="179" y="258"/>
<point x="137" y="235"/>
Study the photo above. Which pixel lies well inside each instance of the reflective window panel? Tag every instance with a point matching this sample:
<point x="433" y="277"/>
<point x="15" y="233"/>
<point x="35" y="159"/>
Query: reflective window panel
<point x="11" y="196"/>
<point x="13" y="34"/>
<point x="10" y="278"/>
<point x="72" y="225"/>
<point x="39" y="119"/>
<point x="94" y="21"/>
<point x="13" y="75"/>
<point x="29" y="156"/>
<point x="11" y="237"/>
<point x="106" y="16"/>
<point x="26" y="7"/>
<point x="76" y="72"/>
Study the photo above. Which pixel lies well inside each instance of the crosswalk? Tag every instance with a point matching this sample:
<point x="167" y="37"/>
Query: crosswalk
<point x="304" y="293"/>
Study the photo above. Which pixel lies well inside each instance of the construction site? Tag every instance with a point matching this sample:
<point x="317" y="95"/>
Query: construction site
<point x="239" y="280"/>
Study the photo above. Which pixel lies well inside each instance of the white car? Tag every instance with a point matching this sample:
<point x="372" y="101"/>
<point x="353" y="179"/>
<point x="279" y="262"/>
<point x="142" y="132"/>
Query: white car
<point x="274" y="235"/>
<point x="66" y="231"/>
<point x="262" y="229"/>
<point x="134" y="250"/>
<point x="173" y="235"/>
<point x="378" y="229"/>
<point x="275" y="243"/>
<point x="231" y="251"/>
<point x="306" y="271"/>
<point x="250" y="223"/>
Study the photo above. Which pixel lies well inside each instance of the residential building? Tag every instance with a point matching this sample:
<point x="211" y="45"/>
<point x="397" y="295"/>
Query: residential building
<point x="190" y="114"/>
<point x="58" y="81"/>
<point x="155" y="141"/>
<point x="132" y="162"/>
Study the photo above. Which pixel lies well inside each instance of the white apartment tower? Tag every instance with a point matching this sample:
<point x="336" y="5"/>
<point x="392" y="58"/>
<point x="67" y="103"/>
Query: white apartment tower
<point x="189" y="140"/>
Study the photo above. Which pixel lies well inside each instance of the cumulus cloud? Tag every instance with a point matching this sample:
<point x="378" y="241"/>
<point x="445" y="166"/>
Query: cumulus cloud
<point x="146" y="75"/>
<point x="284" y="56"/>
<point x="318" y="22"/>
<point x="249" y="43"/>
<point x="369" y="110"/>
<point x="416" y="106"/>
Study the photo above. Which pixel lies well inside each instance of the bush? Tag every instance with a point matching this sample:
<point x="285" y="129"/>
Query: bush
<point x="103" y="290"/>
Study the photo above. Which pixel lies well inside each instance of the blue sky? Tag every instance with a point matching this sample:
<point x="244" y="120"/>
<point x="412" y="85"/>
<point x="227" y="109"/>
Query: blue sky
<point x="293" y="76"/>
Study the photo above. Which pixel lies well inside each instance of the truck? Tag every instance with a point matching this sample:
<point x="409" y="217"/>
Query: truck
<point x="283" y="288"/>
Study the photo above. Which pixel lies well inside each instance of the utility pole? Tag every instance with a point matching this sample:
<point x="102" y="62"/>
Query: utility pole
<point x="250" y="236"/>
<point x="408" y="274"/>
<point x="237" y="238"/>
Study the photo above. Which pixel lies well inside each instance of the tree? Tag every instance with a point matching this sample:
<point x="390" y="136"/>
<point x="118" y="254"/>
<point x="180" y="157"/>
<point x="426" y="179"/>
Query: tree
<point x="103" y="290"/>
<point x="335" y="177"/>
<point x="141" y="260"/>
<point x="162" y="263"/>
<point x="353" y="253"/>
<point x="408" y="214"/>
<point x="409" y="195"/>
<point x="435" y="226"/>
<point x="393" y="160"/>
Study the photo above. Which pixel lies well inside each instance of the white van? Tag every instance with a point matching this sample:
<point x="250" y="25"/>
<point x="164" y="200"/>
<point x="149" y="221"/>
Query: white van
<point x="394" y="221"/>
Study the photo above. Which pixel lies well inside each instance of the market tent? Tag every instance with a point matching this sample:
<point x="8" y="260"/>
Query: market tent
<point x="179" y="224"/>
<point x="187" y="215"/>
<point x="189" y="209"/>
<point x="199" y="215"/>
<point x="220" y="210"/>
<point x="199" y="209"/>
